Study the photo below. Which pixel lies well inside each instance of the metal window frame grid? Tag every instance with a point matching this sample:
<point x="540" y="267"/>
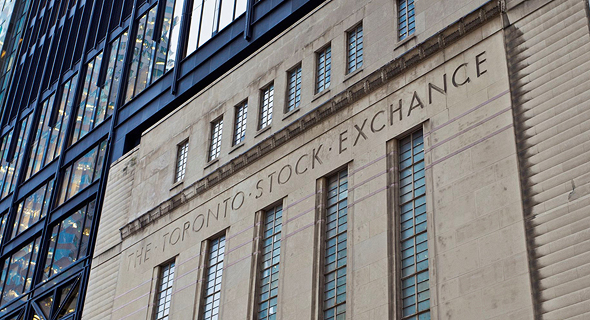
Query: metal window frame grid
<point x="241" y="118"/>
<point x="354" y="57"/>
<point x="266" y="106"/>
<point x="270" y="252"/>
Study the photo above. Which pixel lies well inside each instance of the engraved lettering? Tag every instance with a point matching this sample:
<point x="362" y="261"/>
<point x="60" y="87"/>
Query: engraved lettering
<point x="233" y="202"/>
<point x="373" y="122"/>
<point x="341" y="141"/>
<point x="259" y="188"/>
<point x="215" y="215"/>
<point x="270" y="183"/>
<point x="195" y="223"/>
<point x="360" y="132"/>
<point x="315" y="156"/>
<point x="415" y="99"/>
<point x="478" y="63"/>
<point x="185" y="228"/>
<point x="296" y="169"/>
<point x="147" y="249"/>
<point x="392" y="111"/>
<point x="467" y="80"/>
<point x="172" y="236"/>
<point x="288" y="177"/>
<point x="435" y="87"/>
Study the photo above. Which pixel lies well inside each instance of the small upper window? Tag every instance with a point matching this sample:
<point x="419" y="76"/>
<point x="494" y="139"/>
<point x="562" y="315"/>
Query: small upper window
<point x="294" y="88"/>
<point x="354" y="57"/>
<point x="406" y="22"/>
<point x="181" y="156"/>
<point x="266" y="104"/>
<point x="324" y="69"/>
<point x="240" y="126"/>
<point x="216" y="131"/>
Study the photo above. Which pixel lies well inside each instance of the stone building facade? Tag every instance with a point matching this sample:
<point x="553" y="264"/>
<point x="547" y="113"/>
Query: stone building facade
<point x="347" y="170"/>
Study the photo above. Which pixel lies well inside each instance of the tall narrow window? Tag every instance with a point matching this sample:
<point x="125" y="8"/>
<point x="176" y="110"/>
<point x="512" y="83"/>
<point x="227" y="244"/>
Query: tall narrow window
<point x="212" y="295"/>
<point x="324" y="69"/>
<point x="335" y="255"/>
<point x="240" y="124"/>
<point x="406" y="19"/>
<point x="216" y="131"/>
<point x="181" y="156"/>
<point x="271" y="255"/>
<point x="355" y="49"/>
<point x="154" y="54"/>
<point x="98" y="100"/>
<point x="50" y="134"/>
<point x="413" y="234"/>
<point x="164" y="296"/>
<point x="294" y="89"/>
<point x="266" y="105"/>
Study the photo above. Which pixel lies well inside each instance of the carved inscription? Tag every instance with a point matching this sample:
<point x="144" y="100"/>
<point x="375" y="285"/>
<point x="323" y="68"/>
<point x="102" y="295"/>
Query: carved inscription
<point x="362" y="130"/>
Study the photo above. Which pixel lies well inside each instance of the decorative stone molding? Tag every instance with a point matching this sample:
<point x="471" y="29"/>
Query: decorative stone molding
<point x="340" y="101"/>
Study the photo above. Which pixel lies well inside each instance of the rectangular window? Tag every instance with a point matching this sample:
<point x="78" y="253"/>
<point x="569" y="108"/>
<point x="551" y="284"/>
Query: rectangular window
<point x="164" y="296"/>
<point x="98" y="101"/>
<point x="208" y="17"/>
<point x="216" y="131"/>
<point x="51" y="130"/>
<point x="413" y="234"/>
<point x="154" y="54"/>
<point x="11" y="162"/>
<point x="266" y="105"/>
<point x="212" y="294"/>
<point x="406" y="20"/>
<point x="271" y="255"/>
<point x="181" y="156"/>
<point x="355" y="49"/>
<point x="324" y="69"/>
<point x="82" y="172"/>
<point x="69" y="241"/>
<point x="17" y="272"/>
<point x="294" y="89"/>
<point x="240" y="124"/>
<point x="32" y="209"/>
<point x="335" y="255"/>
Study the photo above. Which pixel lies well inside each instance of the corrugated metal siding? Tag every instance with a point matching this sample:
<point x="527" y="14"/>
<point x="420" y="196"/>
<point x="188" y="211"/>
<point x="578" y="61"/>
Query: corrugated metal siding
<point x="549" y="62"/>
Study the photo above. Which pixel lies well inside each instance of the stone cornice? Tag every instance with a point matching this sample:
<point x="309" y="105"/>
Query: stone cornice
<point x="340" y="101"/>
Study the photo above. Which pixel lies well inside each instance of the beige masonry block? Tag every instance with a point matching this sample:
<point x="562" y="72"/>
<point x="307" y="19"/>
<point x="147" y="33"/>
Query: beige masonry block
<point x="502" y="243"/>
<point x="458" y="261"/>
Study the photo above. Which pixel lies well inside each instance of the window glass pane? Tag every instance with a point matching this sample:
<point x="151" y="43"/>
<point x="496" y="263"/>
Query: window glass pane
<point x="18" y="270"/>
<point x="294" y="89"/>
<point x="266" y="106"/>
<point x="178" y="8"/>
<point x="269" y="273"/>
<point x="181" y="158"/>
<point x="10" y="167"/>
<point x="82" y="172"/>
<point x="241" y="6"/>
<point x="3" y="219"/>
<point x="240" y="127"/>
<point x="213" y="276"/>
<point x="69" y="240"/>
<point x="164" y="295"/>
<point x="164" y="41"/>
<point x="216" y="131"/>
<point x="414" y="274"/>
<point x="207" y="21"/>
<point x="39" y="145"/>
<point x="148" y="48"/>
<point x="324" y="69"/>
<point x="355" y="49"/>
<point x="335" y="255"/>
<point x="32" y="209"/>
<point x="227" y="13"/>
<point x="193" y="34"/>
